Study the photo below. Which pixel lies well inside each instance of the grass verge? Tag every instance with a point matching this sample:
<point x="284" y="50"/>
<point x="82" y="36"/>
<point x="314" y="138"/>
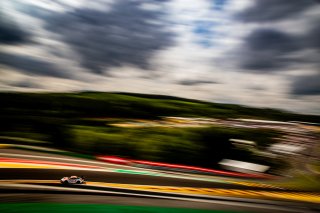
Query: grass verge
<point x="93" y="208"/>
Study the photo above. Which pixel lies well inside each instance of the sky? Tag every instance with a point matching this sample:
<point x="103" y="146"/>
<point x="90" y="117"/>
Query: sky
<point x="262" y="53"/>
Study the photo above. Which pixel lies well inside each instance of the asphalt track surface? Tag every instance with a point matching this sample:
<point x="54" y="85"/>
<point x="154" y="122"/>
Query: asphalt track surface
<point x="110" y="177"/>
<point x="100" y="176"/>
<point x="183" y="180"/>
<point x="116" y="177"/>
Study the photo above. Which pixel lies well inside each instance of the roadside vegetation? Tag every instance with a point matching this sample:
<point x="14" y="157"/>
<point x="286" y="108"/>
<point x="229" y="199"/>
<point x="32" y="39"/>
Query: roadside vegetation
<point x="192" y="146"/>
<point x="76" y="122"/>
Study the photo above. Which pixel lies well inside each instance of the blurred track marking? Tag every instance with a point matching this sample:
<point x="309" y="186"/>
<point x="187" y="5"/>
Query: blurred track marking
<point x="54" y="158"/>
<point x="252" y="184"/>
<point x="20" y="165"/>
<point x="299" y="196"/>
<point x="38" y="164"/>
<point x="52" y="166"/>
<point x="103" y="167"/>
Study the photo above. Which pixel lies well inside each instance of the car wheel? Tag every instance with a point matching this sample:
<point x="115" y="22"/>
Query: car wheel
<point x="78" y="182"/>
<point x="65" y="182"/>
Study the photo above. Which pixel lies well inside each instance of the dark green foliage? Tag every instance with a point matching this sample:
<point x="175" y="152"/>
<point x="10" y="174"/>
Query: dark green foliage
<point x="98" y="104"/>
<point x="75" y="121"/>
<point x="192" y="146"/>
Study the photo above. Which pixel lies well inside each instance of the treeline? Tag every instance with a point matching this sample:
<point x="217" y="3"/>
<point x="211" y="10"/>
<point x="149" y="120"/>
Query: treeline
<point x="99" y="104"/>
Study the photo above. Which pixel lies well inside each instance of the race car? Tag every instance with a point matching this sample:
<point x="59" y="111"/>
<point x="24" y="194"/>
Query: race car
<point x="72" y="180"/>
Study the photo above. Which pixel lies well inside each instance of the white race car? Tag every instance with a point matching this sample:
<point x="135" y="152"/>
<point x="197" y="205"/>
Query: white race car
<point x="72" y="180"/>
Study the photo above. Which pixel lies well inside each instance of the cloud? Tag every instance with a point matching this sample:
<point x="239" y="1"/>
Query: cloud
<point x="272" y="48"/>
<point x="306" y="85"/>
<point x="195" y="82"/>
<point x="264" y="54"/>
<point x="124" y="35"/>
<point x="25" y="84"/>
<point x="268" y="50"/>
<point x="312" y="38"/>
<point x="10" y="32"/>
<point x="273" y="10"/>
<point x="31" y="66"/>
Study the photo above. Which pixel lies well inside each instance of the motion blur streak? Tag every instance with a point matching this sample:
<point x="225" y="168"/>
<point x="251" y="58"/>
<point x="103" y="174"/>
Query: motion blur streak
<point x="195" y="104"/>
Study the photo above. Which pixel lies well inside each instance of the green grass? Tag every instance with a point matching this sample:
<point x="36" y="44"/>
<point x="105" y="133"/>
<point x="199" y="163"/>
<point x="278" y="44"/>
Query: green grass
<point x="93" y="208"/>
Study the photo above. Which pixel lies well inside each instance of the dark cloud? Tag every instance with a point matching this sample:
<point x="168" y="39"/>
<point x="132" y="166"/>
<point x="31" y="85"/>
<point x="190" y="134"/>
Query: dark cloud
<point x="195" y="82"/>
<point x="269" y="50"/>
<point x="306" y="85"/>
<point x="272" y="10"/>
<point x="25" y="84"/>
<point x="126" y="35"/>
<point x="269" y="39"/>
<point x="31" y="66"/>
<point x="312" y="38"/>
<point x="10" y="32"/>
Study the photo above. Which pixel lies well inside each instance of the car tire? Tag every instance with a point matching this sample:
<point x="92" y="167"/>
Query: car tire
<point x="78" y="182"/>
<point x="65" y="182"/>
